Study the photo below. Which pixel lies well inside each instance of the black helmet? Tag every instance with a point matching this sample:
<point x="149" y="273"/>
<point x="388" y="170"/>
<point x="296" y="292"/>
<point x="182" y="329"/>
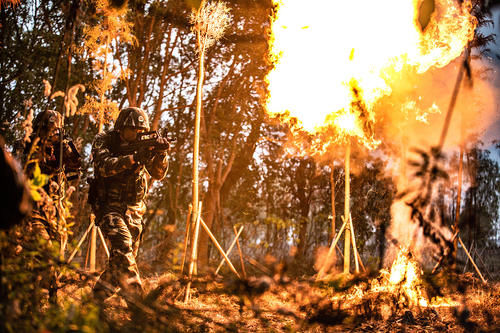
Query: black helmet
<point x="132" y="117"/>
<point x="45" y="121"/>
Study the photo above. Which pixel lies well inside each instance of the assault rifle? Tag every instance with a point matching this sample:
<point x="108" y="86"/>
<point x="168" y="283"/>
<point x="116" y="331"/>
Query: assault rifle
<point x="147" y="141"/>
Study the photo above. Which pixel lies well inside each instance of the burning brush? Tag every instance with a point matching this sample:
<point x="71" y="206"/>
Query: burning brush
<point x="404" y="280"/>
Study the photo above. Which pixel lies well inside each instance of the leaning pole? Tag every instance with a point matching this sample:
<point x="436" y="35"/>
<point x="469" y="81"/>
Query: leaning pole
<point x="347" y="244"/>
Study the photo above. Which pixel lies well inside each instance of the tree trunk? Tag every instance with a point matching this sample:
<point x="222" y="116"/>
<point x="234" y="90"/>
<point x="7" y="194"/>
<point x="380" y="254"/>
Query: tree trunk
<point x="159" y="103"/>
<point x="303" y="193"/>
<point x="209" y="209"/>
<point x="211" y="200"/>
<point x="217" y="173"/>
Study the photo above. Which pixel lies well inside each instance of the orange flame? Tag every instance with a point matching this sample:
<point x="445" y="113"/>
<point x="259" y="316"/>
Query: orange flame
<point x="405" y="273"/>
<point x="405" y="279"/>
<point x="330" y="55"/>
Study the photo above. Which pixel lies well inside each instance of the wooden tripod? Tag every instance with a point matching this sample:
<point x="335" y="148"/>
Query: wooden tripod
<point x="93" y="230"/>
<point x="347" y="226"/>
<point x="349" y="232"/>
<point x="194" y="253"/>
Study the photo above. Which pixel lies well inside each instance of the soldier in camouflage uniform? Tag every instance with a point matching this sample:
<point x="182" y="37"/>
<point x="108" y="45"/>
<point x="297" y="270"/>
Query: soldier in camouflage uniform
<point x="47" y="219"/>
<point x="118" y="194"/>
<point x="44" y="152"/>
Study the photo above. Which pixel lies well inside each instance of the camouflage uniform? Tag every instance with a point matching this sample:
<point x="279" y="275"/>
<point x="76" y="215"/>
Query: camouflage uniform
<point x="121" y="185"/>
<point x="44" y="151"/>
<point x="42" y="156"/>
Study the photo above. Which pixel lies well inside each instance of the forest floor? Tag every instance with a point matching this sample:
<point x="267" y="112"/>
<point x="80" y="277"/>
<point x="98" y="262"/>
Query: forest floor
<point x="264" y="304"/>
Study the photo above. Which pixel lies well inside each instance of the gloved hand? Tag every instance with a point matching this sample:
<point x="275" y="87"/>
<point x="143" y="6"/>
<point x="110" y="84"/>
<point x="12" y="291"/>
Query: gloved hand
<point x="163" y="142"/>
<point x="142" y="156"/>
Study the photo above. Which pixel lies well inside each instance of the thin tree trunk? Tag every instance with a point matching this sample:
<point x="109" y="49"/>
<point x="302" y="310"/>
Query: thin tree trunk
<point x="212" y="198"/>
<point x="158" y="106"/>
<point x="145" y="64"/>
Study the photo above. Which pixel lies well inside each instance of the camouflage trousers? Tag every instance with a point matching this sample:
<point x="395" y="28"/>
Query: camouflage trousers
<point x="123" y="231"/>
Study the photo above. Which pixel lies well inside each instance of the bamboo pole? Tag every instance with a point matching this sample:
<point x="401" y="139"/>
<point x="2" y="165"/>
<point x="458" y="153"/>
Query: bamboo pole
<point x="103" y="241"/>
<point x="194" y="252"/>
<point x="472" y="261"/>
<point x="93" y="242"/>
<point x="459" y="197"/>
<point x="229" y="249"/>
<point x="453" y="100"/>
<point x="355" y="250"/>
<point x="241" y="254"/>
<point x="360" y="261"/>
<point x="358" y="256"/>
<point x="478" y="256"/>
<point x="332" y="185"/>
<point x="467" y="261"/>
<point x="330" y="251"/>
<point x="80" y="242"/>
<point x="87" y="254"/>
<point x="186" y="237"/>
<point x="199" y="99"/>
<point x="212" y="237"/>
<point x="347" y="244"/>
<point x="442" y="256"/>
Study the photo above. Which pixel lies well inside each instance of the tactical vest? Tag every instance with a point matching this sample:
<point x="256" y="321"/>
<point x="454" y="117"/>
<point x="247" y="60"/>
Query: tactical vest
<point x="124" y="189"/>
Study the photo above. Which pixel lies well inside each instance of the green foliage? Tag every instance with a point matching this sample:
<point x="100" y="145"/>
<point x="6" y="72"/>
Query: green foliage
<point x="80" y="316"/>
<point x="29" y="266"/>
<point x="25" y="59"/>
<point x="37" y="182"/>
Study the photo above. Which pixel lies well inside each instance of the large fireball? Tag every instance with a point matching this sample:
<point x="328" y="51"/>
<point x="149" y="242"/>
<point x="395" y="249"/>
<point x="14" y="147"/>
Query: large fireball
<point x="320" y="48"/>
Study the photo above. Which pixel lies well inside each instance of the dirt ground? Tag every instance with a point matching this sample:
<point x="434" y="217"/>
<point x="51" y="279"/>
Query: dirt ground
<point x="280" y="304"/>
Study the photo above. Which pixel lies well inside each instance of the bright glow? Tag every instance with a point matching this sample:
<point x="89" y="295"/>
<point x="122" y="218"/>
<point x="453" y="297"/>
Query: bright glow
<point x="405" y="273"/>
<point x="329" y="55"/>
<point x="347" y="121"/>
<point x="404" y="280"/>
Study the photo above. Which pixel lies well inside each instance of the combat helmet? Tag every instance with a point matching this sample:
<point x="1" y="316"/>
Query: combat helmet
<point x="46" y="121"/>
<point x="132" y="117"/>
